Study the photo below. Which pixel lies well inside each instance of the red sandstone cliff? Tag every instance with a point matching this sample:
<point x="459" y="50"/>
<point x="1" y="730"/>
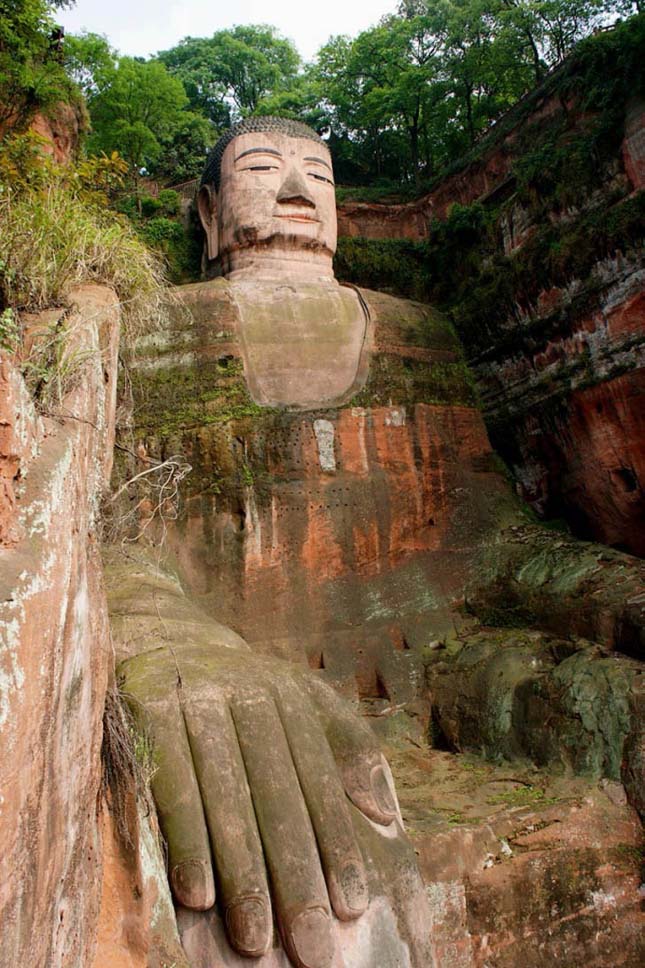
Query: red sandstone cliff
<point x="562" y="382"/>
<point x="60" y="128"/>
<point x="496" y="874"/>
<point x="56" y="655"/>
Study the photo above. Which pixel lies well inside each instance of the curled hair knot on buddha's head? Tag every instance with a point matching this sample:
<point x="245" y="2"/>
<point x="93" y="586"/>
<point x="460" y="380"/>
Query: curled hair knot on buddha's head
<point x="268" y="123"/>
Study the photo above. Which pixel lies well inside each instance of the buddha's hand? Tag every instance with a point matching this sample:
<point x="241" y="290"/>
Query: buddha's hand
<point x="255" y="762"/>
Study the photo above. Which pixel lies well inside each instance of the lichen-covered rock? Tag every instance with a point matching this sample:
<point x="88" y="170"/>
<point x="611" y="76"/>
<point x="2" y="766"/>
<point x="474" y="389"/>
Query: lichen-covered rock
<point x="55" y="653"/>
<point x="559" y="702"/>
<point x="529" y="575"/>
<point x="523" y="866"/>
<point x="136" y="925"/>
<point x="21" y="433"/>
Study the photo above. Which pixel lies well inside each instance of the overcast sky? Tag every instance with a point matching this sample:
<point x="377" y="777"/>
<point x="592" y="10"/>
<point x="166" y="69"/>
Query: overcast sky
<point x="144" y="27"/>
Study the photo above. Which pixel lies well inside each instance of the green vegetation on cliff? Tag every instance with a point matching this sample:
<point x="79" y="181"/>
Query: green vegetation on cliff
<point x="57" y="231"/>
<point x="563" y="184"/>
<point x="32" y="77"/>
<point x="399" y="101"/>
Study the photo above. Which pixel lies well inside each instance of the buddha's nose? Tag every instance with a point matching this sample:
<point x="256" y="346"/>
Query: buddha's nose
<point x="295" y="191"/>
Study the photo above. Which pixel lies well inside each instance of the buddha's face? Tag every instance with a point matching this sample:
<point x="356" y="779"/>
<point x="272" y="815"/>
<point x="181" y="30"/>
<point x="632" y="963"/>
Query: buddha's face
<point x="275" y="205"/>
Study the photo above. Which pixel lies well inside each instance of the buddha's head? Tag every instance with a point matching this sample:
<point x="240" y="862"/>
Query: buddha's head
<point x="267" y="200"/>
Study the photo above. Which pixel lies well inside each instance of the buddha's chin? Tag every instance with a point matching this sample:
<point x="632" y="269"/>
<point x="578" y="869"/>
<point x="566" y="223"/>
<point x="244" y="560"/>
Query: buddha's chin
<point x="282" y="256"/>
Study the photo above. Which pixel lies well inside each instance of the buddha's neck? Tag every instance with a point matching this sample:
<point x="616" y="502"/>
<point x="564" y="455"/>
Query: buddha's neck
<point x="279" y="266"/>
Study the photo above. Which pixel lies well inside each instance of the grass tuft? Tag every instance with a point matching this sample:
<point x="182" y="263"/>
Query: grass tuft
<point x="52" y="239"/>
<point x="128" y="766"/>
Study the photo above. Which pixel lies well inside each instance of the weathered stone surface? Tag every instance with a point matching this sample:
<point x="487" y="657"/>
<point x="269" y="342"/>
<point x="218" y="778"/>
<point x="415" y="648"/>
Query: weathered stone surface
<point x="312" y="582"/>
<point x="21" y="433"/>
<point x="634" y="143"/>
<point x="521" y="694"/>
<point x="136" y="925"/>
<point x="522" y="866"/>
<point x="60" y="130"/>
<point x="567" y="414"/>
<point x="562" y="380"/>
<point x="516" y="859"/>
<point x="305" y="346"/>
<point x="335" y="537"/>
<point x="530" y="576"/>
<point x="55" y="653"/>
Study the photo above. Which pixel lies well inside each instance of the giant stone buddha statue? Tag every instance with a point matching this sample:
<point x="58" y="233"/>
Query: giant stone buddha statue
<point x="343" y="502"/>
<point x="267" y="203"/>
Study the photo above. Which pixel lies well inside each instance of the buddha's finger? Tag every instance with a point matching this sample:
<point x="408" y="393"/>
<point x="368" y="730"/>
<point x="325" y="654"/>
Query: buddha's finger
<point x="155" y="705"/>
<point x="297" y="883"/>
<point x="152" y="689"/>
<point x="327" y="804"/>
<point x="235" y="841"/>
<point x="364" y="770"/>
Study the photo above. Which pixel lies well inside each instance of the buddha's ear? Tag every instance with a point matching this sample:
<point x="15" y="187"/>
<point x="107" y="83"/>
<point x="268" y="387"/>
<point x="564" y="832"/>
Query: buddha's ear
<point x="207" y="208"/>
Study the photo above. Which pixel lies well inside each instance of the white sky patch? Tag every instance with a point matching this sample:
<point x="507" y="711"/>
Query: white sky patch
<point x="148" y="26"/>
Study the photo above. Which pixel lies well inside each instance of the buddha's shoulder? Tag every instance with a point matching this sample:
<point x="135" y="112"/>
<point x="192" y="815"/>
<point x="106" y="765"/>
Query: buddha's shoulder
<point x="206" y="300"/>
<point x="404" y="326"/>
<point x="211" y="306"/>
<point x="200" y="322"/>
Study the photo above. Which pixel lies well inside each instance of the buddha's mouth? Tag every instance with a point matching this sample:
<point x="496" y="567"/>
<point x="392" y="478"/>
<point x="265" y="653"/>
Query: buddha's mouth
<point x="298" y="218"/>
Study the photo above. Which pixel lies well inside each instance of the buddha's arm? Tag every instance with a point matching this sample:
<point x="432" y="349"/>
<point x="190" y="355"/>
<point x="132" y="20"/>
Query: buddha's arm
<point x="530" y="575"/>
<point x="256" y="760"/>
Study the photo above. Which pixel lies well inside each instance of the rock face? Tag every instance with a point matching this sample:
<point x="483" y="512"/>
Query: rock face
<point x="567" y="415"/>
<point x="502" y="857"/>
<point x="62" y="129"/>
<point x="523" y="867"/>
<point x="552" y="309"/>
<point x="55" y="647"/>
<point x="314" y="533"/>
<point x="343" y="538"/>
<point x="520" y="694"/>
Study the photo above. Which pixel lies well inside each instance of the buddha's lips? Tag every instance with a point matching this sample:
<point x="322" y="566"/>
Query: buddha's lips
<point x="298" y="218"/>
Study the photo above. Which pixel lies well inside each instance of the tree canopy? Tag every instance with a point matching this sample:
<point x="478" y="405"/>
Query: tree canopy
<point x="31" y="74"/>
<point x="408" y="95"/>
<point x="227" y="75"/>
<point x="398" y="102"/>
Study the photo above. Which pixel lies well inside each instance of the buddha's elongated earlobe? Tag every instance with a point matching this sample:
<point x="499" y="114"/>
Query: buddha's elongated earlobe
<point x="207" y="208"/>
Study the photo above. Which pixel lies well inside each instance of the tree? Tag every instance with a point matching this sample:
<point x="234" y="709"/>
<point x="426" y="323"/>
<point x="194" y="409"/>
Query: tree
<point x="183" y="154"/>
<point x="547" y="30"/>
<point x="194" y="62"/>
<point x="486" y="71"/>
<point x="384" y="86"/>
<point x="407" y="96"/>
<point x="227" y="75"/>
<point x="302" y="100"/>
<point x="90" y="62"/>
<point x="31" y="76"/>
<point x="139" y="109"/>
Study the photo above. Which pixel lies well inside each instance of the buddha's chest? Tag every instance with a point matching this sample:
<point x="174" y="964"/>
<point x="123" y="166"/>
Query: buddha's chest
<point x="282" y="501"/>
<point x="304" y="346"/>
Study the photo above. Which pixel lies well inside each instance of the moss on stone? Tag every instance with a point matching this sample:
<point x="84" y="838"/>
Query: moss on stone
<point x="510" y="694"/>
<point x="523" y="796"/>
<point x="404" y="381"/>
